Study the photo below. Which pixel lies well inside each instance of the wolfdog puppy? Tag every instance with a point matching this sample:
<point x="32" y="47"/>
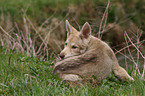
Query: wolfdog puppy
<point x="85" y="56"/>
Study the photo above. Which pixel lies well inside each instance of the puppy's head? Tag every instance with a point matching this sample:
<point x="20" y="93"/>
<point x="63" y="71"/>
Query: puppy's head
<point x="77" y="42"/>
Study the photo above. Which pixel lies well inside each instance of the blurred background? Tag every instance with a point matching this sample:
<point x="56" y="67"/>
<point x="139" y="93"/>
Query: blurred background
<point x="37" y="27"/>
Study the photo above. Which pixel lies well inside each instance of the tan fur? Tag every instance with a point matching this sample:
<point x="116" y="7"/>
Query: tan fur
<point x="91" y="57"/>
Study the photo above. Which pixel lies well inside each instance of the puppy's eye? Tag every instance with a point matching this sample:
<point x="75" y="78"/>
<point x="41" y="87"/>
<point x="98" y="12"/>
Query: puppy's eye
<point x="74" y="47"/>
<point x="65" y="44"/>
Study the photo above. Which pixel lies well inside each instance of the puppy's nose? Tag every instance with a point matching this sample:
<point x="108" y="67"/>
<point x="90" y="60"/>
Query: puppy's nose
<point x="61" y="56"/>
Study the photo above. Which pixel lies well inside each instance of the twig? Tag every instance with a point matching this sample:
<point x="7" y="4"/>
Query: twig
<point x="27" y="32"/>
<point x="125" y="56"/>
<point x="104" y="15"/>
<point x="140" y="54"/>
<point x="135" y="46"/>
<point x="136" y="64"/>
<point x="6" y="33"/>
<point x="143" y="71"/>
<point x="127" y="47"/>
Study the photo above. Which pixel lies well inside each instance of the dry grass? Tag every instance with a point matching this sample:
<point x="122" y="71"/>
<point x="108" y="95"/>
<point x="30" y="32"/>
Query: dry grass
<point x="131" y="48"/>
<point x="34" y="40"/>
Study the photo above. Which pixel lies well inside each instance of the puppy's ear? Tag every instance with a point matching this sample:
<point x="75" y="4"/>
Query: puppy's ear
<point x="68" y="27"/>
<point x="86" y="30"/>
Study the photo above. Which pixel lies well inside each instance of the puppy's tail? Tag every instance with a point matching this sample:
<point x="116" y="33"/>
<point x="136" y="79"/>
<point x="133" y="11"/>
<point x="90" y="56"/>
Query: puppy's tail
<point x="121" y="73"/>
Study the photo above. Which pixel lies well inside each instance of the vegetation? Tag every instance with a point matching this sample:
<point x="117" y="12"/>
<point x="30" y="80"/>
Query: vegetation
<point x="32" y="23"/>
<point x="32" y="33"/>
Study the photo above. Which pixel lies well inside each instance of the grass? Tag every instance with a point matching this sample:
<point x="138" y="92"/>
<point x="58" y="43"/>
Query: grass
<point x="30" y="76"/>
<point x="22" y="75"/>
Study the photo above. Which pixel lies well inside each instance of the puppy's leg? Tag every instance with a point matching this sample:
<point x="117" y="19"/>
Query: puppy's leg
<point x="121" y="73"/>
<point x="71" y="77"/>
